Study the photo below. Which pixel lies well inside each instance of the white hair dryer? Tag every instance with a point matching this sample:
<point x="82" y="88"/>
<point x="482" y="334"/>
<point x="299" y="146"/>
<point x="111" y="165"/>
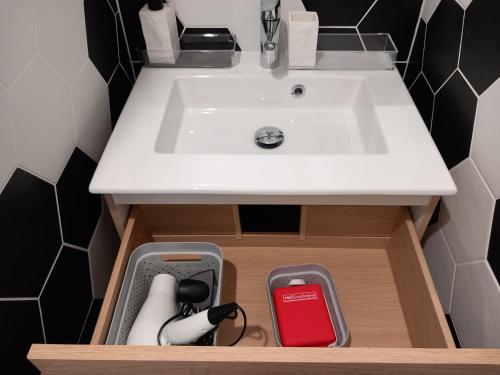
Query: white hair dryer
<point x="155" y="324"/>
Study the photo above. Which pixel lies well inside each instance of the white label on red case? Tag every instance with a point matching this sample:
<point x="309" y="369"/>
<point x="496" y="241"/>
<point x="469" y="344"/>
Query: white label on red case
<point x="295" y="297"/>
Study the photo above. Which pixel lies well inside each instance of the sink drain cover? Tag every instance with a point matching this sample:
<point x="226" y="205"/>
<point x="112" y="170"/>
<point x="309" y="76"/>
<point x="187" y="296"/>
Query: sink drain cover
<point x="269" y="137"/>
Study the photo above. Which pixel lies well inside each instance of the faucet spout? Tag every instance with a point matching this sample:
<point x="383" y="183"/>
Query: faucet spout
<point x="270" y="16"/>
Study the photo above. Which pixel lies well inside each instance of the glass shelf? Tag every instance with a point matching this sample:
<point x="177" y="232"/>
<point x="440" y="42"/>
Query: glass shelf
<point x="199" y="50"/>
<point x="345" y="51"/>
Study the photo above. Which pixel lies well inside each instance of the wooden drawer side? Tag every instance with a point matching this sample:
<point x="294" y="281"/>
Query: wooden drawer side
<point x="134" y="235"/>
<point x="423" y="312"/>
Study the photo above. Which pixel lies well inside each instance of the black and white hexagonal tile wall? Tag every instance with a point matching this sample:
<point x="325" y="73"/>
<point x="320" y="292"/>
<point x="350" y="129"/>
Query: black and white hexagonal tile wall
<point x="416" y="58"/>
<point x="453" y="123"/>
<point x="27" y="206"/>
<point x="442" y="48"/>
<point x="424" y="99"/>
<point x="53" y="102"/>
<point x="462" y="63"/>
<point x="79" y="209"/>
<point x="119" y="90"/>
<point x="480" y="57"/>
<point x="67" y="297"/>
<point x="101" y="36"/>
<point x="398" y="18"/>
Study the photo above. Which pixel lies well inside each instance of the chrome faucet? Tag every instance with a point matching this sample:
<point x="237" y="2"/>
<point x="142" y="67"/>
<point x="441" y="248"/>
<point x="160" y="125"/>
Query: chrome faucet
<point x="270" y="18"/>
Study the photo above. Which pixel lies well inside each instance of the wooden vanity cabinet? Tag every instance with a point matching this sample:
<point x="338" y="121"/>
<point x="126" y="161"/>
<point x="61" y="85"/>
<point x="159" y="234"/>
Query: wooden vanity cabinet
<point x="397" y="325"/>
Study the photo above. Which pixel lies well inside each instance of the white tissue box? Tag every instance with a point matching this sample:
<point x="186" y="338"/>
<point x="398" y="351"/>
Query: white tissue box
<point x="302" y="39"/>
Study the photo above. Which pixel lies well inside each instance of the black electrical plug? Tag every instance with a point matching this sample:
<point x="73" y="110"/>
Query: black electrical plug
<point x="192" y="291"/>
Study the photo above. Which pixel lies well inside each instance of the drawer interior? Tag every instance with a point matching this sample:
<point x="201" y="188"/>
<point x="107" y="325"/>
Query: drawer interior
<point x="373" y="254"/>
<point x="391" y="306"/>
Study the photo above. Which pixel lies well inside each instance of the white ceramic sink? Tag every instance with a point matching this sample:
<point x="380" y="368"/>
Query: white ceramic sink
<point x="187" y="136"/>
<point x="219" y="115"/>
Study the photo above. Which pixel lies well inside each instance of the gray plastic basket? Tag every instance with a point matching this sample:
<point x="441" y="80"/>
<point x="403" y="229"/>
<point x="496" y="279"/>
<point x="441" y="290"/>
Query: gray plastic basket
<point x="311" y="274"/>
<point x="148" y="261"/>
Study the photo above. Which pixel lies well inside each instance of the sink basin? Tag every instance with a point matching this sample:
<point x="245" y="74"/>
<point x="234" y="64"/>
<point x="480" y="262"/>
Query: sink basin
<point x="219" y="115"/>
<point x="188" y="136"/>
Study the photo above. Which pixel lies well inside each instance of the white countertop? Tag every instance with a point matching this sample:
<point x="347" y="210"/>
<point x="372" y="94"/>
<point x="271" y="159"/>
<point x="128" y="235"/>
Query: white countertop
<point x="407" y="168"/>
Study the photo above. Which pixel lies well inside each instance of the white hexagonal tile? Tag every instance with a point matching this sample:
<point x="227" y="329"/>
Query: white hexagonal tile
<point x="467" y="216"/>
<point x="62" y="35"/>
<point x="441" y="264"/>
<point x="429" y="9"/>
<point x="476" y="305"/>
<point x="17" y="37"/>
<point x="42" y="119"/>
<point x="486" y="140"/>
<point x="464" y="3"/>
<point x="199" y="13"/>
<point x="245" y="24"/>
<point x="8" y="159"/>
<point x="89" y="93"/>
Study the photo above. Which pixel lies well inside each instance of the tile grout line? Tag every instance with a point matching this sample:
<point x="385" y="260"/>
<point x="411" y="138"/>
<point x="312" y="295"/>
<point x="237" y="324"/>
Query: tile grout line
<point x="41" y="321"/>
<point x="122" y="25"/>
<point x="468" y="83"/>
<point x="99" y="222"/>
<point x="18" y="299"/>
<point x="461" y="41"/>
<point x="428" y="83"/>
<point x="446" y="81"/>
<point x="59" y="213"/>
<point x="75" y="247"/>
<point x="415" y="34"/>
<point x="85" y="321"/>
<point x="113" y="74"/>
<point x="50" y="271"/>
<point x="366" y="14"/>
<point x="361" y="39"/>
<point x="415" y="81"/>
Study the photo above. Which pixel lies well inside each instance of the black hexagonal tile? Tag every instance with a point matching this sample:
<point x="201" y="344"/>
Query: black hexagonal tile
<point x="30" y="233"/>
<point x="125" y="59"/>
<point x="442" y="43"/>
<point x="453" y="123"/>
<point x="91" y="321"/>
<point x="101" y="36"/>
<point x="338" y="12"/>
<point x="417" y="55"/>
<point x="67" y="297"/>
<point x="494" y="249"/>
<point x="396" y="17"/>
<point x="480" y="57"/>
<point x="119" y="89"/>
<point x="424" y="99"/>
<point x="21" y="326"/>
<point x="401" y="66"/>
<point x="79" y="210"/>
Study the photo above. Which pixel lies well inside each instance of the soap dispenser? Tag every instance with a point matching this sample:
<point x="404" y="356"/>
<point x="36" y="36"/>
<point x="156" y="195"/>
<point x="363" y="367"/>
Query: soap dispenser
<point x="159" y="27"/>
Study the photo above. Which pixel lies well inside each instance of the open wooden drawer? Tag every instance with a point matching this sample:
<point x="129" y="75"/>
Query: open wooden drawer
<point x="396" y="322"/>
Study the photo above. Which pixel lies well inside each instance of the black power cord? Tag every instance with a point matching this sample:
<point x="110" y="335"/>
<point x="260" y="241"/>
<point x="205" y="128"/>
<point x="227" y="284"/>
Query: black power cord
<point x="216" y="315"/>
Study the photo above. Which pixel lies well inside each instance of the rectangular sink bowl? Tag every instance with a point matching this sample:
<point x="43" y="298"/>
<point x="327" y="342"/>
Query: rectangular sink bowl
<point x="211" y="115"/>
